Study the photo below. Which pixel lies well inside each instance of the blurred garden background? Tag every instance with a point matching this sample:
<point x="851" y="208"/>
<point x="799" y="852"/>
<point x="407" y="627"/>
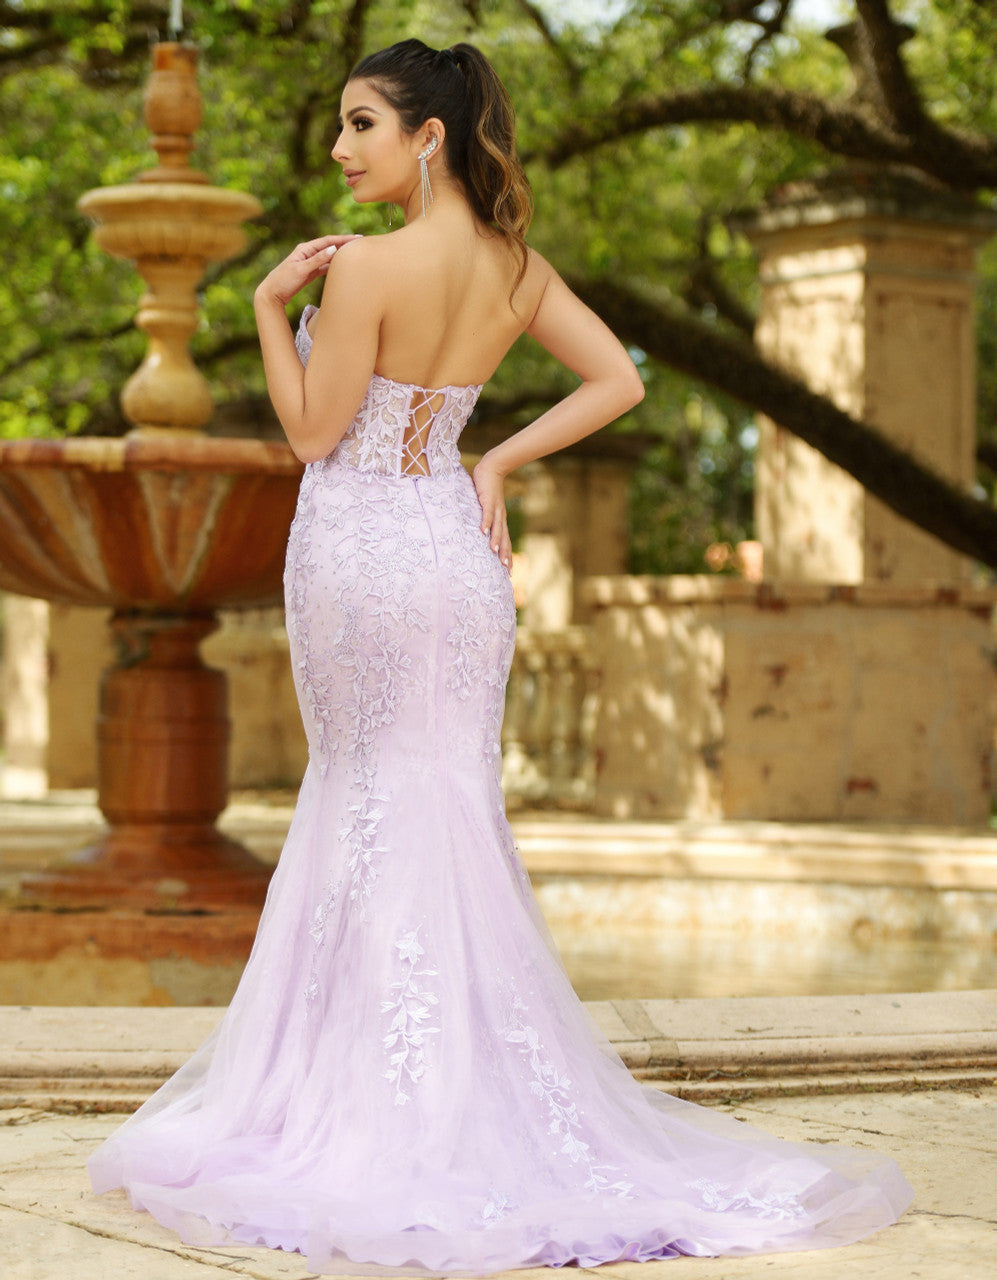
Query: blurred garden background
<point x="644" y="127"/>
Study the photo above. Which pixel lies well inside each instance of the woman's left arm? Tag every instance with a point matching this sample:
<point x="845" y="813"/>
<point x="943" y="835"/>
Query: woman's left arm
<point x="316" y="405"/>
<point x="610" y="385"/>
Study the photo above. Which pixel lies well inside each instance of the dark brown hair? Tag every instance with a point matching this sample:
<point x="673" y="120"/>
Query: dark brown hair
<point x="460" y="87"/>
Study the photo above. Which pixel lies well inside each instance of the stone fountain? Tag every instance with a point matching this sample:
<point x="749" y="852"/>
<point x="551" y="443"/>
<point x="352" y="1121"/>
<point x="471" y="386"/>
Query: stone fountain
<point x="164" y="525"/>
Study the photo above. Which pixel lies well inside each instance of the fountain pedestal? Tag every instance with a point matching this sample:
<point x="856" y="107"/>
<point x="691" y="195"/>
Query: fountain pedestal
<point x="162" y="737"/>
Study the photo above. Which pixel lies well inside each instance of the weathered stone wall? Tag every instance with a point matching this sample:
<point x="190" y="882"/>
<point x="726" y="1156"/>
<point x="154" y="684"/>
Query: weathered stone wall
<point x="268" y="746"/>
<point x="79" y="651"/>
<point x="730" y="699"/>
<point x="22" y="690"/>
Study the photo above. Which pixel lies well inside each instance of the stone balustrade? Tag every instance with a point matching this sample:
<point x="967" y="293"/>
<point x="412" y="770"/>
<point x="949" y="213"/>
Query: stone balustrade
<point x="551" y="709"/>
<point x="700" y="698"/>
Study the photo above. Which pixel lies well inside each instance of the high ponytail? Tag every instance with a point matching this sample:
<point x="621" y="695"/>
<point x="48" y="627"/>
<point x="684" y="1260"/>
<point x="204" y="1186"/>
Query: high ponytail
<point x="460" y="87"/>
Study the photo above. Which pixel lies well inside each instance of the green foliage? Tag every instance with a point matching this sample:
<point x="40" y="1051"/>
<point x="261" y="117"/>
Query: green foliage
<point x="651" y="208"/>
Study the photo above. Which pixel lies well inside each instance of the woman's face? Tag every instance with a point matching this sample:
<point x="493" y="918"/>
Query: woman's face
<point x="378" y="157"/>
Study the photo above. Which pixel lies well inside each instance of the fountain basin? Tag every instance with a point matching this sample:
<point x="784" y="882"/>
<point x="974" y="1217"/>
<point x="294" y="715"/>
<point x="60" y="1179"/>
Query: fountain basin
<point x="162" y="521"/>
<point x="163" y="527"/>
<point x="169" y="219"/>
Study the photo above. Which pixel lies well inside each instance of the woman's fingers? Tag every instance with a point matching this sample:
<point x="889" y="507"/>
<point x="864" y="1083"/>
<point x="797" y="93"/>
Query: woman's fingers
<point x="309" y="247"/>
<point x="322" y="247"/>
<point x="498" y="533"/>
<point x="306" y="262"/>
<point x="505" y="549"/>
<point x="494" y="522"/>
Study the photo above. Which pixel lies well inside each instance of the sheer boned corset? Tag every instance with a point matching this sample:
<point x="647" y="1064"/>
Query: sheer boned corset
<point x="401" y="429"/>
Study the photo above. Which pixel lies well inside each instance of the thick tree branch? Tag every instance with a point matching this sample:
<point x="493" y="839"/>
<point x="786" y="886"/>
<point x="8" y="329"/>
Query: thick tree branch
<point x="231" y="345"/>
<point x="703" y="285"/>
<point x="771" y="24"/>
<point x="353" y="34"/>
<point x="536" y="17"/>
<point x="964" y="162"/>
<point x="501" y="408"/>
<point x="61" y="22"/>
<point x="300" y="134"/>
<point x="29" y="51"/>
<point x="58" y="26"/>
<point x="74" y="337"/>
<point x="882" y="39"/>
<point x="735" y="367"/>
<point x="986" y="455"/>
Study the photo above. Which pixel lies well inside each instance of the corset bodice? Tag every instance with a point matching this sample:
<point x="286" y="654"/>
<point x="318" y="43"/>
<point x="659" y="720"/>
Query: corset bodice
<point x="400" y="428"/>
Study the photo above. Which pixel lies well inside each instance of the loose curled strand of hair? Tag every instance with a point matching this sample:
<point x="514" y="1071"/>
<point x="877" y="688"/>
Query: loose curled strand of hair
<point x="460" y="87"/>
<point x="495" y="176"/>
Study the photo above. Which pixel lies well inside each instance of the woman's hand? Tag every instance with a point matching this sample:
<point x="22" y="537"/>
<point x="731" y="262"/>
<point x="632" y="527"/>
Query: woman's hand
<point x="302" y="265"/>
<point x="489" y="484"/>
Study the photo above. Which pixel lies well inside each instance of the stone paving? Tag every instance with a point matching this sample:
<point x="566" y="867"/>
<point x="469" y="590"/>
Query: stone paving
<point x="110" y="1059"/>
<point x="52" y="1227"/>
<point x="864" y="1066"/>
<point x="861" y="1070"/>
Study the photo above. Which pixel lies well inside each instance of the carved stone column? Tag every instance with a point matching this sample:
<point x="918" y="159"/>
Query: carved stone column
<point x="868" y="292"/>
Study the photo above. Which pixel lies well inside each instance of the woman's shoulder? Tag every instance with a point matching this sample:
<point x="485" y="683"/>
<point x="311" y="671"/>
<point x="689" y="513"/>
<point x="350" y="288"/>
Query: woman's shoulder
<point x="371" y="260"/>
<point x="361" y="271"/>
<point x="538" y="269"/>
<point x="354" y="255"/>
<point x="537" y="275"/>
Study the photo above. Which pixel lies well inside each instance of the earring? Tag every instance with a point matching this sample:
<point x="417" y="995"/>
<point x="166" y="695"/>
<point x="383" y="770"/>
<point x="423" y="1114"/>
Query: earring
<point x="427" y="190"/>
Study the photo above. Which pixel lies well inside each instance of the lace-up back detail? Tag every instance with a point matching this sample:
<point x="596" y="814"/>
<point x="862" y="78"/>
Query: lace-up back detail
<point x="401" y="429"/>
<point x="423" y="408"/>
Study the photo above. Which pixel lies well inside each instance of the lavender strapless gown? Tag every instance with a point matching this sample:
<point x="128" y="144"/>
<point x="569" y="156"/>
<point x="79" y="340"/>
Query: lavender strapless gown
<point x="405" y="1077"/>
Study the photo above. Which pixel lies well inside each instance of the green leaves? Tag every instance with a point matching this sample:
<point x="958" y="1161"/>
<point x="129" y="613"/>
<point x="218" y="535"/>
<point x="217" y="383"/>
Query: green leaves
<point x="649" y="204"/>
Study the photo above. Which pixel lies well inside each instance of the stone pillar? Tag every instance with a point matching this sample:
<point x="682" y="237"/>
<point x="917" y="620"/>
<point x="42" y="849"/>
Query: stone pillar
<point x="576" y="526"/>
<point x="24" y="697"/>
<point x="867" y="292"/>
<point x="79" y="646"/>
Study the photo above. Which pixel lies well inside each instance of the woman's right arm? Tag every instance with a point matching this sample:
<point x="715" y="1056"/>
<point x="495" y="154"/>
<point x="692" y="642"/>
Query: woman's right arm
<point x="316" y="405"/>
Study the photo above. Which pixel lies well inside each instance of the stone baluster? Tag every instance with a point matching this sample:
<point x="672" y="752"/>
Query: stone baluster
<point x="550" y="719"/>
<point x="515" y="758"/>
<point x="562" y="753"/>
<point x="588" y="717"/>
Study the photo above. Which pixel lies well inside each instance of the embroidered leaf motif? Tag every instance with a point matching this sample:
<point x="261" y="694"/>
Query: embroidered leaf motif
<point x="411" y="1008"/>
<point x="551" y="1089"/>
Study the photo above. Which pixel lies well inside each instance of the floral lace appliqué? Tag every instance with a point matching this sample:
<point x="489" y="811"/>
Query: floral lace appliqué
<point x="409" y="1009"/>
<point x="316" y="931"/>
<point x="721" y="1197"/>
<point x="375" y="441"/>
<point x="299" y="571"/>
<point x="478" y="592"/>
<point x="553" y="1090"/>
<point x="496" y="1208"/>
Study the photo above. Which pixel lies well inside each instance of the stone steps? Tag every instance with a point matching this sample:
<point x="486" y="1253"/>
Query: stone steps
<point x="111" y="1059"/>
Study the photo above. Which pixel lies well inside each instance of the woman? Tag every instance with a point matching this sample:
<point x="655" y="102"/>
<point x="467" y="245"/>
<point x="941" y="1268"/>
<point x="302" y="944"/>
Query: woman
<point x="405" y="1078"/>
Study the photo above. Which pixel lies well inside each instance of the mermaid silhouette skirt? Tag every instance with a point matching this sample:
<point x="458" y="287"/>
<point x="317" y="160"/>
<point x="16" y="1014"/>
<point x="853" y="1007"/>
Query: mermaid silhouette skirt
<point x="405" y="1079"/>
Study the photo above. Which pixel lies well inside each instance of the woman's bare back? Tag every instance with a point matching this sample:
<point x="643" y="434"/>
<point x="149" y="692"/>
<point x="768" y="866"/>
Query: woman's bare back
<point x="453" y="309"/>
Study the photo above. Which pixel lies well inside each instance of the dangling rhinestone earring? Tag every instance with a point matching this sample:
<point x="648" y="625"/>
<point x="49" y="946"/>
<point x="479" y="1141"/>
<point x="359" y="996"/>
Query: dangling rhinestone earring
<point x="427" y="190"/>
